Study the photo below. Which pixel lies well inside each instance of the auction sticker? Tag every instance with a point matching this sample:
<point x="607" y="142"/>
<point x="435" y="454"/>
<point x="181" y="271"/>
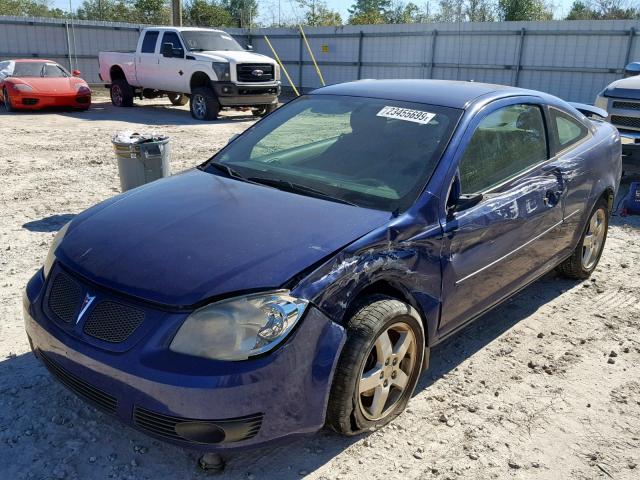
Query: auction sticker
<point x="417" y="116"/>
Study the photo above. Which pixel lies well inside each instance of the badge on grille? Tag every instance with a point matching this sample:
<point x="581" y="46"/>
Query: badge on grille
<point x="86" y="303"/>
<point x="257" y="72"/>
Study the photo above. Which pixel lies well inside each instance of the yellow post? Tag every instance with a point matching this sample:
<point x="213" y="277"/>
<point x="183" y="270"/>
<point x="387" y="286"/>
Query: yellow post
<point x="281" y="66"/>
<point x="313" y="58"/>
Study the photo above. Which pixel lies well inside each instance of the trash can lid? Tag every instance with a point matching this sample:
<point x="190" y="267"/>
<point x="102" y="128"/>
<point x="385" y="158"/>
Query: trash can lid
<point x="127" y="138"/>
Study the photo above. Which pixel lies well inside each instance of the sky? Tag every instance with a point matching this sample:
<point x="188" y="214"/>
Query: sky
<point x="286" y="6"/>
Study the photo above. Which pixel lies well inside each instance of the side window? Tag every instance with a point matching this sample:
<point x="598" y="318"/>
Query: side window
<point x="149" y="42"/>
<point x="568" y="129"/>
<point x="505" y="143"/>
<point x="172" y="38"/>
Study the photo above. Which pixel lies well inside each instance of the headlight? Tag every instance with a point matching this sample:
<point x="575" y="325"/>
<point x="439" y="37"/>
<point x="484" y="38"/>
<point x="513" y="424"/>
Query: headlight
<point x="222" y="71"/>
<point x="22" y="87"/>
<point x="51" y="256"/>
<point x="239" y="328"/>
<point x="83" y="89"/>
<point x="602" y="101"/>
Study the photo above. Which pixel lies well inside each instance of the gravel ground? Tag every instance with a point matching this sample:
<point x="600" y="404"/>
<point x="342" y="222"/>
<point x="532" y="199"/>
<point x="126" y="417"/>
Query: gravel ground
<point x="546" y="386"/>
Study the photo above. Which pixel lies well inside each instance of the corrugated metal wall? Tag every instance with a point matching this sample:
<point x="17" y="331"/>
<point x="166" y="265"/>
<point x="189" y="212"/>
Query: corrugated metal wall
<point x="573" y="60"/>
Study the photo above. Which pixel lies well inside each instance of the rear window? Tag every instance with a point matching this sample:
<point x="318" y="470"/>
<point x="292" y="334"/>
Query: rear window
<point x="568" y="129"/>
<point x="149" y="42"/>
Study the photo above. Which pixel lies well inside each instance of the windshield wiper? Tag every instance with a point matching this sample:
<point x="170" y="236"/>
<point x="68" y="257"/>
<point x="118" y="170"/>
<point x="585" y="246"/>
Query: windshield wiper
<point x="228" y="170"/>
<point x="298" y="188"/>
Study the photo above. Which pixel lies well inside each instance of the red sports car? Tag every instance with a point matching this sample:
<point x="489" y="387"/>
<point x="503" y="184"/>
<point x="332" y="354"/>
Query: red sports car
<point x="34" y="84"/>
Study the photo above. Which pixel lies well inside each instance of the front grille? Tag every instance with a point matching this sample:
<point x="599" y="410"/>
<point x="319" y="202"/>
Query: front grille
<point x="235" y="430"/>
<point x="81" y="388"/>
<point x="113" y="322"/>
<point x="64" y="297"/>
<point x="631" y="122"/>
<point x="29" y="101"/>
<point x="83" y="100"/>
<point x="627" y="105"/>
<point x="247" y="72"/>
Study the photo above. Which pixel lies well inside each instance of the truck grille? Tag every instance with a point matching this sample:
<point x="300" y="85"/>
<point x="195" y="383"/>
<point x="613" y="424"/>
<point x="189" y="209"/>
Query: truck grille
<point x="255" y="72"/>
<point x="113" y="322"/>
<point x="627" y="105"/>
<point x="81" y="388"/>
<point x="630" y="122"/>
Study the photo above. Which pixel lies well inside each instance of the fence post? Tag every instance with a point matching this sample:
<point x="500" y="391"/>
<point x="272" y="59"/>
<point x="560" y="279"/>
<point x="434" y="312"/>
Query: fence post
<point x="66" y="28"/>
<point x="432" y="62"/>
<point x="300" y="61"/>
<point x="632" y="34"/>
<point x="519" y="64"/>
<point x="360" y="38"/>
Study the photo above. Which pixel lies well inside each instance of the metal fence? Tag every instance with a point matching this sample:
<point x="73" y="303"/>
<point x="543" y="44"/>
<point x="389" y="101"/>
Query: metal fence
<point x="571" y="59"/>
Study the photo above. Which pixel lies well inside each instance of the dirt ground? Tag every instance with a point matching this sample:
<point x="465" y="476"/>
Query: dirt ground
<point x="546" y="386"/>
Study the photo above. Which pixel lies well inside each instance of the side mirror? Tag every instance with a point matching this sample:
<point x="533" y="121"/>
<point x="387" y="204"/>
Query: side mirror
<point x="75" y="73"/>
<point x="464" y="202"/>
<point x="632" y="69"/>
<point x="168" y="51"/>
<point x="249" y="47"/>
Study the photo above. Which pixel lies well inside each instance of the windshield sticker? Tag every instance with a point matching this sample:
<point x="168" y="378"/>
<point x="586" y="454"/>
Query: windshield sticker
<point x="407" y="114"/>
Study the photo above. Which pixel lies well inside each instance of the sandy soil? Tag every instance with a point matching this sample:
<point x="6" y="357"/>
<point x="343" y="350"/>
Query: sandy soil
<point x="546" y="386"/>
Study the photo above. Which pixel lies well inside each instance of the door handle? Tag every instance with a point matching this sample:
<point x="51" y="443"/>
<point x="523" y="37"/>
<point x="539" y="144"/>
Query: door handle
<point x="552" y="197"/>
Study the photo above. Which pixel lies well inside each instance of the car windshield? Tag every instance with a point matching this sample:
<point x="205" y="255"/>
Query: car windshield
<point x="370" y="152"/>
<point x="198" y="41"/>
<point x="38" y="69"/>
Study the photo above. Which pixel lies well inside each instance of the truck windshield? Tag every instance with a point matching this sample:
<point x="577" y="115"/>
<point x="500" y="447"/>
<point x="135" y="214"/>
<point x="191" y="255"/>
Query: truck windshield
<point x="370" y="152"/>
<point x="199" y="41"/>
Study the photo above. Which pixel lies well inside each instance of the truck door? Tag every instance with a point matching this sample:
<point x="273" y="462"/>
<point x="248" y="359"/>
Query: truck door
<point x="496" y="246"/>
<point x="172" y="72"/>
<point x="147" y="60"/>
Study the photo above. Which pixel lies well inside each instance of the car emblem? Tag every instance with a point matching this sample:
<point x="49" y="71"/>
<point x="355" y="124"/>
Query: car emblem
<point x="257" y="72"/>
<point x="86" y="303"/>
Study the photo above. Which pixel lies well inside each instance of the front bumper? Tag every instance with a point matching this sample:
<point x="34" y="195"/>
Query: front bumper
<point x="36" y="101"/>
<point x="238" y="95"/>
<point x="196" y="403"/>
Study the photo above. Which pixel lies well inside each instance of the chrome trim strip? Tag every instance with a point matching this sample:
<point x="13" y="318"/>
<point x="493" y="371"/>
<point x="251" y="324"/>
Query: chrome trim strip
<point x="473" y="274"/>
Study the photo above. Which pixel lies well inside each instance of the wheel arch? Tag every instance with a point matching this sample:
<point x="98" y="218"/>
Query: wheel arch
<point x="117" y="73"/>
<point x="199" y="79"/>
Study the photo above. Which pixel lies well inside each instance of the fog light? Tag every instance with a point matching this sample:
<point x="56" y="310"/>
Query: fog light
<point x="226" y="90"/>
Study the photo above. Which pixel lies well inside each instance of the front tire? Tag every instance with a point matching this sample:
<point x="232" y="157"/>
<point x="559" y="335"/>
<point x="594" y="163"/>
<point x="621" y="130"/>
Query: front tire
<point x="121" y="93"/>
<point x="379" y="366"/>
<point x="204" y="104"/>
<point x="178" y="99"/>
<point x="7" y="101"/>
<point x="264" y="110"/>
<point x="584" y="260"/>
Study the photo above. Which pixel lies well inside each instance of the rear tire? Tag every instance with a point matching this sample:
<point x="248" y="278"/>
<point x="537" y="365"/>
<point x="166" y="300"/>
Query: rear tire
<point x="7" y="101"/>
<point x="121" y="93"/>
<point x="178" y="99"/>
<point x="264" y="110"/>
<point x="584" y="259"/>
<point x="379" y="366"/>
<point x="204" y="104"/>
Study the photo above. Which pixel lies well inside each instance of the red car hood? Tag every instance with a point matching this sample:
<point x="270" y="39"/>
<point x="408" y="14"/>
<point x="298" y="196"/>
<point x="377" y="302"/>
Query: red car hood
<point x="53" y="85"/>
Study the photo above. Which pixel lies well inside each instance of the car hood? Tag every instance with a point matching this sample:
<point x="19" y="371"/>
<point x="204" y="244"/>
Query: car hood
<point x="185" y="239"/>
<point x="624" y="88"/>
<point x="238" y="56"/>
<point x="52" y="85"/>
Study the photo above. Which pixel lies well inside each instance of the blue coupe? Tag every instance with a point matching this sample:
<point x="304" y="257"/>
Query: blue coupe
<point x="301" y="275"/>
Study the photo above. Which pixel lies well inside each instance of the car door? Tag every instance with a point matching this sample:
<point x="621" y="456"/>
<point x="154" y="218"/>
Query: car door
<point x="147" y="60"/>
<point x="171" y="70"/>
<point x="509" y="213"/>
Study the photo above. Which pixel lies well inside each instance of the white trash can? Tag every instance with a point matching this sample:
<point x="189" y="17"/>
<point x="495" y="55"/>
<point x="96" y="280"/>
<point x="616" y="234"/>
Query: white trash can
<point x="142" y="158"/>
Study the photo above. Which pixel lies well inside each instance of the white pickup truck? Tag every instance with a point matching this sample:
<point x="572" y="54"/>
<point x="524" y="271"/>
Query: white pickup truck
<point x="204" y="67"/>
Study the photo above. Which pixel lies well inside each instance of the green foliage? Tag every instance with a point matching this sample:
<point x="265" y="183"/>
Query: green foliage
<point x="523" y="10"/>
<point x="603" y="10"/>
<point x="243" y="12"/>
<point x="29" y="8"/>
<point x="318" y="14"/>
<point x="367" y="12"/>
<point x="154" y="12"/>
<point x="207" y="13"/>
<point x="107" y="10"/>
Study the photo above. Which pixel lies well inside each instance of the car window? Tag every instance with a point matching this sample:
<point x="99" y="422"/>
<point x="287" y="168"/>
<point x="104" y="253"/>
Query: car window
<point x="53" y="70"/>
<point x="149" y="42"/>
<point x="172" y="38"/>
<point x="27" y="69"/>
<point x="505" y="143"/>
<point x="568" y="129"/>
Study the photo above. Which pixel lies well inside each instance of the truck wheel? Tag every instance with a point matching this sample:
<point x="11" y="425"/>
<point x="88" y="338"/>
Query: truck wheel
<point x="585" y="257"/>
<point x="121" y="93"/>
<point x="178" y="99"/>
<point x="379" y="366"/>
<point x="204" y="104"/>
<point x="264" y="110"/>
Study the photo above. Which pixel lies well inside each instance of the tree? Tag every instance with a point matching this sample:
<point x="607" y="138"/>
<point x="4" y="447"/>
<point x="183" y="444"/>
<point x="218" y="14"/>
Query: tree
<point x="154" y="12"/>
<point x="318" y="14"/>
<point x="365" y="12"/>
<point x="603" y="10"/>
<point x="403" y="13"/>
<point x="480" y="11"/>
<point x="207" y="13"/>
<point x="29" y="8"/>
<point x="107" y="10"/>
<point x="450" y="11"/>
<point x="243" y="12"/>
<point x="522" y="10"/>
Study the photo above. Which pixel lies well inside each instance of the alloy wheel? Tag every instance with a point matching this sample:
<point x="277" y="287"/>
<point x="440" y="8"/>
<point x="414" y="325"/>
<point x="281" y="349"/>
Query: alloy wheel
<point x="594" y="239"/>
<point x="199" y="106"/>
<point x="387" y="370"/>
<point x="116" y="95"/>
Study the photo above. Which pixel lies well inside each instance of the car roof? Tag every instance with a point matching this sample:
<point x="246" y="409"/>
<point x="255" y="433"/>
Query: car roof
<point x="35" y="60"/>
<point x="446" y="93"/>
